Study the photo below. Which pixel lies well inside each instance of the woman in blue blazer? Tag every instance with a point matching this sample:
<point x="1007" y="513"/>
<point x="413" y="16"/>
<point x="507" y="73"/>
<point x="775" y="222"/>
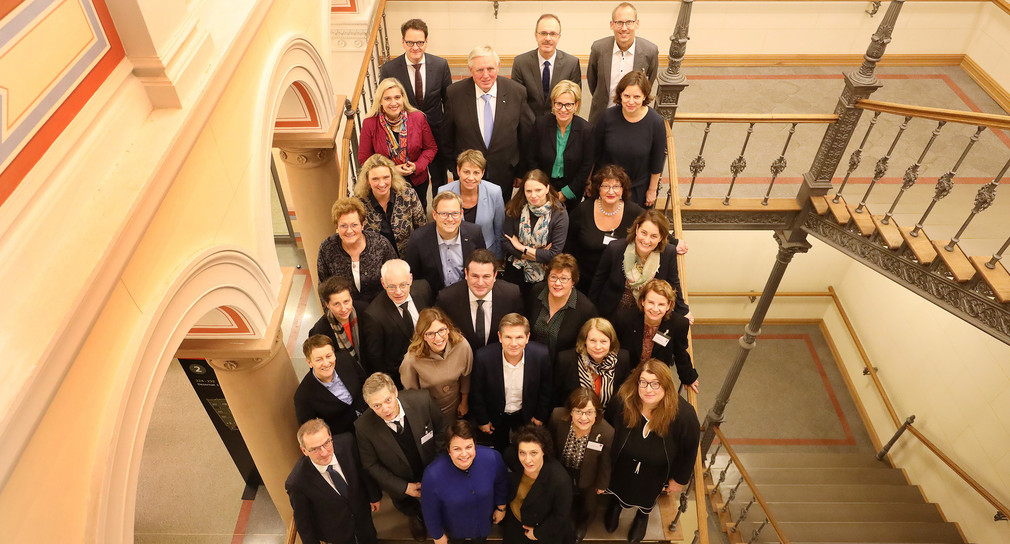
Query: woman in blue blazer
<point x="482" y="200"/>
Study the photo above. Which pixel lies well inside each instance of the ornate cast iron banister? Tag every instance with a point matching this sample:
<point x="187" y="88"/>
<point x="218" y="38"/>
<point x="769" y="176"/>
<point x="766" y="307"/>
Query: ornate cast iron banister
<point x="755" y="492"/>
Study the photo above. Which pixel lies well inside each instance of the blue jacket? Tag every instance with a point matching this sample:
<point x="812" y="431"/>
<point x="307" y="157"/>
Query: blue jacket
<point x="460" y="503"/>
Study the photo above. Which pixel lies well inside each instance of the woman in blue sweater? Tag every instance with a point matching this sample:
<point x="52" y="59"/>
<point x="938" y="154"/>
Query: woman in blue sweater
<point x="465" y="491"/>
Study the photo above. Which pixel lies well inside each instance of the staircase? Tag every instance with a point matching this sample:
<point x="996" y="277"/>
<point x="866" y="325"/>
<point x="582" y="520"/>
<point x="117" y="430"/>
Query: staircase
<point x="827" y="498"/>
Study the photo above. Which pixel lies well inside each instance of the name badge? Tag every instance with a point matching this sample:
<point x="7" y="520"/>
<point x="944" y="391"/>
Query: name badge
<point x="596" y="446"/>
<point x="661" y="339"/>
<point x="427" y="436"/>
<point x="608" y="239"/>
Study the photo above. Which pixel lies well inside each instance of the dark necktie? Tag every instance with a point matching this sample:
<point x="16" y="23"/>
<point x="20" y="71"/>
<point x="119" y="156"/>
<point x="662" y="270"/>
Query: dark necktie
<point x="547" y="79"/>
<point x="406" y="318"/>
<point x="418" y="85"/>
<point x="480" y="326"/>
<point x="399" y="427"/>
<point x="338" y="481"/>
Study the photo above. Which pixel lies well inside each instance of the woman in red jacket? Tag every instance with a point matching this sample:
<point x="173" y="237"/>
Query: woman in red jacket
<point x="395" y="129"/>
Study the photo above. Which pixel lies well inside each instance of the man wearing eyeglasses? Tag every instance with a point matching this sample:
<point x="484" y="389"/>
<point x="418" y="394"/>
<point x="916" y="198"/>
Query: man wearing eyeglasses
<point x="391" y="317"/>
<point x="331" y="499"/>
<point x="611" y="58"/>
<point x="426" y="78"/>
<point x="397" y="438"/>
<point x="541" y="69"/>
<point x="436" y="252"/>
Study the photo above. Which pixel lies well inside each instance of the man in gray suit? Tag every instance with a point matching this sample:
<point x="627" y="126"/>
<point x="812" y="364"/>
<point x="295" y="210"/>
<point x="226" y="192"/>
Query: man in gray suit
<point x="397" y="438"/>
<point x="488" y="113"/>
<point x="541" y="69"/>
<point x="611" y="58"/>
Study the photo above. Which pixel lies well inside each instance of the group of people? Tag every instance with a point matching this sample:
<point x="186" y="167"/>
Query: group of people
<point x="517" y="399"/>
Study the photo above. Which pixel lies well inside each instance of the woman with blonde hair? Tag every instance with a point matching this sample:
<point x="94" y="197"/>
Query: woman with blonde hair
<point x="391" y="208"/>
<point x="395" y="129"/>
<point x="561" y="144"/>
<point x="598" y="363"/>
<point x="656" y="434"/>
<point x="439" y="359"/>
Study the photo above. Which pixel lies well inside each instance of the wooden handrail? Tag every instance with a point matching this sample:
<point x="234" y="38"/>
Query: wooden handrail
<point x="758" y="293"/>
<point x="755" y="118"/>
<point x="672" y="202"/>
<point x="753" y="488"/>
<point x="937" y="114"/>
<point x="959" y="471"/>
<point x="292" y="533"/>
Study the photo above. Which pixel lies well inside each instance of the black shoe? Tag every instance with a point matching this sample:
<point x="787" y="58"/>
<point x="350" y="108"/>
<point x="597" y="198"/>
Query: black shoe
<point x="612" y="518"/>
<point x="638" y="527"/>
<point x="580" y="531"/>
<point x="417" y="529"/>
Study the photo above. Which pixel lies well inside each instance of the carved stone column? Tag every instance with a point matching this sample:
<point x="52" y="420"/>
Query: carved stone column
<point x="259" y="384"/>
<point x="312" y="175"/>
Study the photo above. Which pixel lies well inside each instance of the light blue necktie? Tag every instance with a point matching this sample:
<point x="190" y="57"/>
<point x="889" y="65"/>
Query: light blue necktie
<point x="488" y="120"/>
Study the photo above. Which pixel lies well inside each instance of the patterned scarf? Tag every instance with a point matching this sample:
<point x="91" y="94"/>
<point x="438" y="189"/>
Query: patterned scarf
<point x="639" y="274"/>
<point x="574" y="450"/>
<point x="535" y="237"/>
<point x="397" y="148"/>
<point x="343" y="342"/>
<point x="589" y="369"/>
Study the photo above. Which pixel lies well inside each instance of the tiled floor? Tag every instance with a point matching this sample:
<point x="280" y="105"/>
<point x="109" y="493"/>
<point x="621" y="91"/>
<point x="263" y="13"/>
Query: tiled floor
<point x="189" y="490"/>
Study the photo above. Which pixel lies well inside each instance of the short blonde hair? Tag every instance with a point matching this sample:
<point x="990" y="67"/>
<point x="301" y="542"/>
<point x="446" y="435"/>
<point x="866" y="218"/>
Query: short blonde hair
<point x="661" y="288"/>
<point x="570" y="87"/>
<point x="385" y="85"/>
<point x="361" y="187"/>
<point x="376" y="383"/>
<point x="346" y="205"/>
<point x="473" y="157"/>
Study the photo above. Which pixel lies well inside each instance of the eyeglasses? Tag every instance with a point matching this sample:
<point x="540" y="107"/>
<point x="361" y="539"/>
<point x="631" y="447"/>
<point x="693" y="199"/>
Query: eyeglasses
<point x="349" y="226"/>
<point x="588" y="413"/>
<point x="565" y="106"/>
<point x="611" y="188"/>
<point x="324" y="446"/>
<point x="563" y="280"/>
<point x="620" y="24"/>
<point x="655" y="386"/>
<point x="449" y="215"/>
<point x="545" y="34"/>
<point x="430" y="335"/>
<point x="415" y="44"/>
<point x="405" y="286"/>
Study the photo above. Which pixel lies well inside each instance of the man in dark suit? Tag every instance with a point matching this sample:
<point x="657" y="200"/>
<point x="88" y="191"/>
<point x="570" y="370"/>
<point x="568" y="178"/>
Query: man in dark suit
<point x="341" y="319"/>
<point x="436" y="252"/>
<point x="487" y="113"/>
<point x="391" y="317"/>
<point x="397" y="439"/>
<point x="611" y="58"/>
<point x="428" y="76"/>
<point x="331" y="390"/>
<point x="511" y="382"/>
<point x="478" y="304"/>
<point x="529" y="71"/>
<point x="331" y="500"/>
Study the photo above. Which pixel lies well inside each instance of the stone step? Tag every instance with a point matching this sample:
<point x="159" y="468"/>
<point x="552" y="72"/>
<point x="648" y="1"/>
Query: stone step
<point x="854" y="511"/>
<point x="843" y="475"/>
<point x="834" y="493"/>
<point x="862" y="532"/>
<point x="806" y="460"/>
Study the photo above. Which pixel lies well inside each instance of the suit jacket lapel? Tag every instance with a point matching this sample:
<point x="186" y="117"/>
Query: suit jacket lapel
<point x="394" y="313"/>
<point x="607" y="59"/>
<point x="385" y="439"/>
<point x="470" y="109"/>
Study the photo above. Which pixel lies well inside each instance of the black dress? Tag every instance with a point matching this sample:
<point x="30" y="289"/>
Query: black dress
<point x="639" y="148"/>
<point x="586" y="240"/>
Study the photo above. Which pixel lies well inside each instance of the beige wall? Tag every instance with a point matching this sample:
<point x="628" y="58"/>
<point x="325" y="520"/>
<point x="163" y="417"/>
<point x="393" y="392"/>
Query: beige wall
<point x="990" y="46"/>
<point x="207" y="244"/>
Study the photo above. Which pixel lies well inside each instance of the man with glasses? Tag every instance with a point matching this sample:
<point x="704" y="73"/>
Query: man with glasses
<point x="426" y="78"/>
<point x="397" y="438"/>
<point x="331" y="389"/>
<point x="541" y="69"/>
<point x="391" y="317"/>
<point x="611" y="58"/>
<point x="331" y="499"/>
<point x="436" y="252"/>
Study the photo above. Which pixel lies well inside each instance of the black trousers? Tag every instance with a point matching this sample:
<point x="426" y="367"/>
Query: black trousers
<point x="467" y="540"/>
<point x="409" y="506"/>
<point x="502" y="433"/>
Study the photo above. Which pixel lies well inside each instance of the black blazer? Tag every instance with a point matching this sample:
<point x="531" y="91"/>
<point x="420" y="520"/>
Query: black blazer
<point x="566" y="374"/>
<point x="609" y="281"/>
<point x="386" y="335"/>
<point x="313" y="400"/>
<point x="322" y="326"/>
<point x="487" y="384"/>
<point x="423" y="256"/>
<point x="579" y="152"/>
<point x="437" y="79"/>
<point x="568" y="334"/>
<point x="322" y="514"/>
<point x="547" y="507"/>
<point x="630" y="326"/>
<point x="454" y="300"/>
<point x="680" y="443"/>
<point x="596" y="464"/>
<point x="513" y="120"/>
<point x="382" y="457"/>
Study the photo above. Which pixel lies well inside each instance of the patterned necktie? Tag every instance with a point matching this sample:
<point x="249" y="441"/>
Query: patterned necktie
<point x="547" y="79"/>
<point x="488" y="120"/>
<point x="418" y="85"/>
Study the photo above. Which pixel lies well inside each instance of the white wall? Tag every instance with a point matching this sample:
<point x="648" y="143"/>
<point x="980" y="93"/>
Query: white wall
<point x="990" y="46"/>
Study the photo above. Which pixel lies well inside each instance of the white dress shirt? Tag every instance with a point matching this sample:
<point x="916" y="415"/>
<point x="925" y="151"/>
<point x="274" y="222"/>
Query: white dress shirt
<point x="400" y="418"/>
<point x="410" y="308"/>
<point x="513" y="384"/>
<point x="550" y="69"/>
<point x="487" y="313"/>
<point x="622" y="63"/>
<point x="326" y="475"/>
<point x="480" y="104"/>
